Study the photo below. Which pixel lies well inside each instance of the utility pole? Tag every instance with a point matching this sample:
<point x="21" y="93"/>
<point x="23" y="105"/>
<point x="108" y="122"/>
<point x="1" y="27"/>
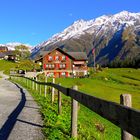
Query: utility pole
<point x="94" y="58"/>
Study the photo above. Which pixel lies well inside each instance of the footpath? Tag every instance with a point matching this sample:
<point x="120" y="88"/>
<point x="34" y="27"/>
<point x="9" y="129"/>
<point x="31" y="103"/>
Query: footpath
<point x="19" y="114"/>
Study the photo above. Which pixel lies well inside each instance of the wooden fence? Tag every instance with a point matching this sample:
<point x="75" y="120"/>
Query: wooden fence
<point x="122" y="115"/>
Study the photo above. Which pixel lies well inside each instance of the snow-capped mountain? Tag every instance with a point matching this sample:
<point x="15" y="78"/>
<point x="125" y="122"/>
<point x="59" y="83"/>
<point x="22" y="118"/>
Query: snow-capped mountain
<point x="100" y="33"/>
<point x="12" y="45"/>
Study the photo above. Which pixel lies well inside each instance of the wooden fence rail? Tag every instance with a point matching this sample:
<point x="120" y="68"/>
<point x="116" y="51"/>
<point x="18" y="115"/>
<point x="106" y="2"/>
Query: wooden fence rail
<point x="128" y="119"/>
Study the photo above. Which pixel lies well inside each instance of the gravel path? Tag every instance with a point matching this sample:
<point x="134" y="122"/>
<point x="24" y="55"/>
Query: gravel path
<point x="19" y="116"/>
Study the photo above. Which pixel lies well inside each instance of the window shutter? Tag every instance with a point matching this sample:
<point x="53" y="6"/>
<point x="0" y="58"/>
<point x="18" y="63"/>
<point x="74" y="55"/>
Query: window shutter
<point x="67" y="58"/>
<point x="67" y="74"/>
<point x="56" y="66"/>
<point x="60" y="58"/>
<point x="47" y="57"/>
<point x="44" y="66"/>
<point x="66" y="66"/>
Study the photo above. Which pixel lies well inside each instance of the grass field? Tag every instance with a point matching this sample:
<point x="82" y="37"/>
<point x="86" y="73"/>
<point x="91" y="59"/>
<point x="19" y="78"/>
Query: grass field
<point x="108" y="84"/>
<point x="6" y="66"/>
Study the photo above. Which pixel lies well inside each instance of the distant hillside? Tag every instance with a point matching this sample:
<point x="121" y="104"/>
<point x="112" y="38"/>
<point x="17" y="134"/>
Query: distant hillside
<point x="115" y="38"/>
<point x="12" y="45"/>
<point x="6" y="66"/>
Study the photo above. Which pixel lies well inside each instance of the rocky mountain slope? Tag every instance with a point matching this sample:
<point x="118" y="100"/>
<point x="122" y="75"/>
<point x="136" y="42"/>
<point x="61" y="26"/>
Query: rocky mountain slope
<point x="114" y="37"/>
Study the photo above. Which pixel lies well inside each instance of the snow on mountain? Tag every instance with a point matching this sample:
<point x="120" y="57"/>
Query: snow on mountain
<point x="104" y="33"/>
<point x="78" y="28"/>
<point x="12" y="45"/>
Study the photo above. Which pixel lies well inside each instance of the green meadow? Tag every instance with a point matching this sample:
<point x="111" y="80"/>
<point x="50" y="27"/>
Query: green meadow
<point x="108" y="84"/>
<point x="6" y="66"/>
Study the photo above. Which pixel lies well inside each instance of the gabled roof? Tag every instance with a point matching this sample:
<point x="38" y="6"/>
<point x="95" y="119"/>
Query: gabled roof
<point x="78" y="55"/>
<point x="8" y="53"/>
<point x="72" y="55"/>
<point x="3" y="48"/>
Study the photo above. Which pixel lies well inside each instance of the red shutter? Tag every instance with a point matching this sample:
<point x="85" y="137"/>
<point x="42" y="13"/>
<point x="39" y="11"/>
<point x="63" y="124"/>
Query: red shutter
<point x="67" y="57"/>
<point x="54" y="58"/>
<point x="47" y="57"/>
<point x="60" y="58"/>
<point x="44" y="66"/>
<point x="67" y="74"/>
<point x="55" y="73"/>
<point x="66" y="66"/>
<point x="58" y="65"/>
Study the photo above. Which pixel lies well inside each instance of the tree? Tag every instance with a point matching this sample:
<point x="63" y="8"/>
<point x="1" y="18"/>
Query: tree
<point x="22" y="51"/>
<point x="28" y="65"/>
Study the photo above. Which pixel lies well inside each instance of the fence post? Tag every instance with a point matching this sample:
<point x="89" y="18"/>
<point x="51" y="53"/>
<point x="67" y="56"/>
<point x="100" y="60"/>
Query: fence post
<point x="59" y="102"/>
<point x="33" y="84"/>
<point x="36" y="84"/>
<point x="53" y="91"/>
<point x="74" y="116"/>
<point x="125" y="99"/>
<point x="27" y="83"/>
<point x="45" y="86"/>
<point x="30" y="82"/>
<point x="40" y="89"/>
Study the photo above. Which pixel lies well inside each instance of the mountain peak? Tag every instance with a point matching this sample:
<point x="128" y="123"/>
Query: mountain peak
<point x="79" y="21"/>
<point x="105" y="22"/>
<point x="103" y="33"/>
<point x="124" y="12"/>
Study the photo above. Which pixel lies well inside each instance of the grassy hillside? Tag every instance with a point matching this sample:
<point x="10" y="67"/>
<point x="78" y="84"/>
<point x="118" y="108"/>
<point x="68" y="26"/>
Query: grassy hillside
<point x="108" y="84"/>
<point x="6" y="66"/>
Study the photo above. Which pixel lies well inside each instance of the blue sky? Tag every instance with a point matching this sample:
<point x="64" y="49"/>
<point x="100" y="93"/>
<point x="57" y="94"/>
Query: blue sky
<point x="34" y="21"/>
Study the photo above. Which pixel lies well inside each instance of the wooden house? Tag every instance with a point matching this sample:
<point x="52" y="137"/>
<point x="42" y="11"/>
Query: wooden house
<point x="8" y="55"/>
<point x="3" y="49"/>
<point x="59" y="63"/>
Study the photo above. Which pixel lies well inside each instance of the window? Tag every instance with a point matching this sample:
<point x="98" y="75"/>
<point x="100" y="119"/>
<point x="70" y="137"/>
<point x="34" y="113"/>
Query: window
<point x="63" y="73"/>
<point x="64" y="65"/>
<point x="47" y="66"/>
<point x="50" y="66"/>
<point x="57" y="58"/>
<point x="50" y="58"/>
<point x="60" y="65"/>
<point x="63" y="58"/>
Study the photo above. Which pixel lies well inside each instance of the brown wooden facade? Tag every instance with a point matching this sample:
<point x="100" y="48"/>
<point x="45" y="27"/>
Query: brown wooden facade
<point x="58" y="63"/>
<point x="3" y="49"/>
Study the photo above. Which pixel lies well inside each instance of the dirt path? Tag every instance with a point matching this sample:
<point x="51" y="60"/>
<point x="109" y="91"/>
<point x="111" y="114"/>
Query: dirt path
<point x="19" y="116"/>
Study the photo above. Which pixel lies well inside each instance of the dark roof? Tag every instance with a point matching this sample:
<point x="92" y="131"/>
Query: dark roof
<point x="3" y="48"/>
<point x="40" y="55"/>
<point x="8" y="53"/>
<point x="78" y="55"/>
<point x="73" y="55"/>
